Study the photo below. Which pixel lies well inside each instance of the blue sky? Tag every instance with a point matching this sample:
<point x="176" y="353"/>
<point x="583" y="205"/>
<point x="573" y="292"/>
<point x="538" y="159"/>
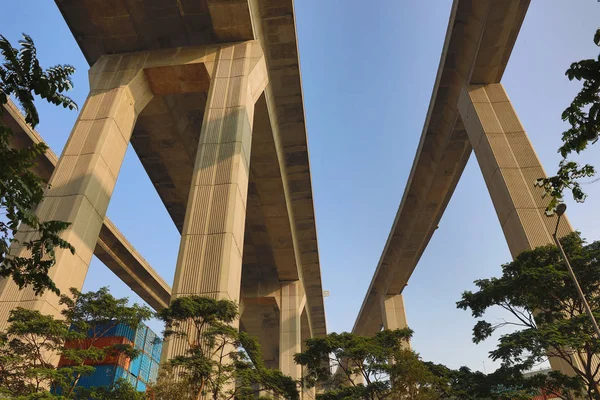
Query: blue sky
<point x="368" y="73"/>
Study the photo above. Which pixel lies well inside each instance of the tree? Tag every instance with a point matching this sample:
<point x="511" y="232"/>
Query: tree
<point x="371" y="368"/>
<point x="169" y="387"/>
<point x="221" y="362"/>
<point x="91" y="316"/>
<point x="30" y="345"/>
<point x="411" y="378"/>
<point x="27" y="350"/>
<point x="120" y="390"/>
<point x="506" y="383"/>
<point x="21" y="76"/>
<point x="583" y="116"/>
<point x="559" y="328"/>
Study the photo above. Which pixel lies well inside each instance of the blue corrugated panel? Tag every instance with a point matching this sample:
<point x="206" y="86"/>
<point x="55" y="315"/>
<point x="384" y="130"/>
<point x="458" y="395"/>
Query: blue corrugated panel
<point x="124" y="331"/>
<point x="140" y="335"/>
<point x="148" y="347"/>
<point x="150" y="335"/>
<point x="104" y="375"/>
<point x="132" y="379"/>
<point x="149" y="343"/>
<point x="141" y="386"/>
<point x="107" y="330"/>
<point x="157" y="350"/>
<point x="145" y="368"/>
<point x="135" y="364"/>
<point x="153" y="372"/>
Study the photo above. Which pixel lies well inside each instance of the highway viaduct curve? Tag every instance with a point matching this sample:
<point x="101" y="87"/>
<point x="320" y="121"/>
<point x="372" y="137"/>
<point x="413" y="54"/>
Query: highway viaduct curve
<point x="208" y="92"/>
<point x="469" y="110"/>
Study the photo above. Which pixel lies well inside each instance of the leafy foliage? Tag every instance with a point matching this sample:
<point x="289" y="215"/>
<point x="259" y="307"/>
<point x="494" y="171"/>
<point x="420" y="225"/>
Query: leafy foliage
<point x="221" y="363"/>
<point x="21" y="76"/>
<point x="91" y="316"/>
<point x="372" y="368"/>
<point x="27" y="349"/>
<point x="583" y="115"/>
<point x="559" y="328"/>
<point x="31" y="344"/>
<point x="169" y="387"/>
<point x="412" y="379"/>
<point x="120" y="390"/>
<point x="506" y="383"/>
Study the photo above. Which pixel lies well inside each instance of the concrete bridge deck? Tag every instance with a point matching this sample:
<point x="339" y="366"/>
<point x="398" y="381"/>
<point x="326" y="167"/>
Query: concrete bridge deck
<point x="280" y="224"/>
<point x="469" y="110"/>
<point x="480" y="37"/>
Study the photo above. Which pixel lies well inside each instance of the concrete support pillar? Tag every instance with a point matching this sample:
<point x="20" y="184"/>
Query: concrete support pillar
<point x="309" y="393"/>
<point x="212" y="240"/>
<point x="83" y="181"/>
<point x="393" y="313"/>
<point x="392" y="310"/>
<point x="291" y="304"/>
<point x="510" y="169"/>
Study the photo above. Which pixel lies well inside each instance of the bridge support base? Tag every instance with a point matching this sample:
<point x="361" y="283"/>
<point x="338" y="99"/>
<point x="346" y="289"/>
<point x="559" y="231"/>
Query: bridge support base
<point x="291" y="306"/>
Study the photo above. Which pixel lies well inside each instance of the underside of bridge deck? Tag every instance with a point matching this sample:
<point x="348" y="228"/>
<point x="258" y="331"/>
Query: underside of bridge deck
<point x="167" y="147"/>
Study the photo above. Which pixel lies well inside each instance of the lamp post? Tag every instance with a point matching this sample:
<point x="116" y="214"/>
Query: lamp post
<point x="560" y="210"/>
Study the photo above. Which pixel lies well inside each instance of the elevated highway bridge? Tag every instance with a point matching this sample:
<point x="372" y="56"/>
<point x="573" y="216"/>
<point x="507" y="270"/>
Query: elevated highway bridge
<point x="469" y="112"/>
<point x="208" y="93"/>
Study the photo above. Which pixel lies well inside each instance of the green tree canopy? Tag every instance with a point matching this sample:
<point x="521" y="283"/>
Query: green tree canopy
<point x="21" y="190"/>
<point x="506" y="383"/>
<point x="356" y="367"/>
<point x="583" y="116"/>
<point x="120" y="390"/>
<point x="29" y="348"/>
<point x="559" y="328"/>
<point x="221" y="362"/>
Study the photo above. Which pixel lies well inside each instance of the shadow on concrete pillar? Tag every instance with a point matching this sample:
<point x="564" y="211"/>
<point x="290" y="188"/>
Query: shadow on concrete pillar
<point x="291" y="305"/>
<point x="212" y="240"/>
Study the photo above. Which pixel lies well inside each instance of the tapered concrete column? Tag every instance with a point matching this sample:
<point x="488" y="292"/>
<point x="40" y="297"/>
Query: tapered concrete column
<point x="212" y="240"/>
<point x="84" y="179"/>
<point x="392" y="310"/>
<point x="393" y="313"/>
<point x="510" y="169"/>
<point x="307" y="393"/>
<point x="291" y="305"/>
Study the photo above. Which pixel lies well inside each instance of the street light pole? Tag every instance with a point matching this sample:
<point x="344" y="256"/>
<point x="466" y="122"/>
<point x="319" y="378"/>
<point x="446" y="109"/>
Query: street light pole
<point x="560" y="210"/>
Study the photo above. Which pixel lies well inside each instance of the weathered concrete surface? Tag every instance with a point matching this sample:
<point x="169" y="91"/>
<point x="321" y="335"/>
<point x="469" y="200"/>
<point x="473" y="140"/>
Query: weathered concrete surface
<point x="112" y="248"/>
<point x="479" y="41"/>
<point x="167" y="149"/>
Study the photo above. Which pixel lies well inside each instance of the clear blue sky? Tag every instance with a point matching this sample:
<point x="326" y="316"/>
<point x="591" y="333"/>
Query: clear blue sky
<point x="368" y="72"/>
